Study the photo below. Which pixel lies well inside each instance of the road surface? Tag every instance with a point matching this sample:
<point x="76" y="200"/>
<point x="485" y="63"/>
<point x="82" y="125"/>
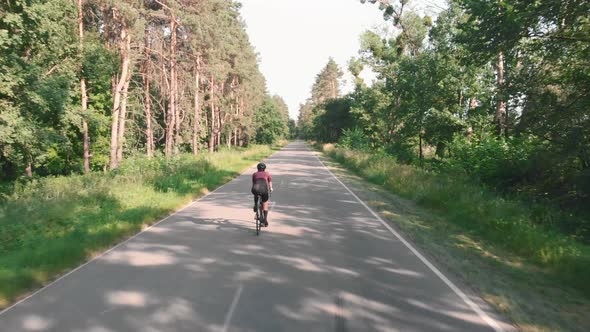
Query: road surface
<point x="325" y="263"/>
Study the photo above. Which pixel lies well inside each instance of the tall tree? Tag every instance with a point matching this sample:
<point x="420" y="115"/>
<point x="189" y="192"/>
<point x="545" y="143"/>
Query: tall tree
<point x="83" y="92"/>
<point x="327" y="83"/>
<point x="121" y="19"/>
<point x="325" y="88"/>
<point x="492" y="30"/>
<point x="147" y="97"/>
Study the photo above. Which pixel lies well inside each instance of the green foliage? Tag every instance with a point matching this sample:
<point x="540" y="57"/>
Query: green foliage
<point x="325" y="88"/>
<point x="331" y="118"/>
<point x="497" y="162"/>
<point x="370" y="108"/>
<point x="271" y="122"/>
<point x="35" y="81"/>
<point x="43" y="62"/>
<point x="305" y="120"/>
<point x="436" y="104"/>
<point x="327" y="83"/>
<point x="354" y="139"/>
<point x="49" y="225"/>
<point x="292" y="126"/>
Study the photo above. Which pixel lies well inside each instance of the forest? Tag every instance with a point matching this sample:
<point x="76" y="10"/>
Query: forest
<point x="496" y="92"/>
<point x="87" y="83"/>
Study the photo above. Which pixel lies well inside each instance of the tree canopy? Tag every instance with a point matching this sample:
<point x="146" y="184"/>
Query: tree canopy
<point x="497" y="89"/>
<point x="85" y="83"/>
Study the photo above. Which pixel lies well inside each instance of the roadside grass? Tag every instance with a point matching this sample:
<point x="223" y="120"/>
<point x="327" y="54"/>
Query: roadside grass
<point x="51" y="225"/>
<point x="534" y="275"/>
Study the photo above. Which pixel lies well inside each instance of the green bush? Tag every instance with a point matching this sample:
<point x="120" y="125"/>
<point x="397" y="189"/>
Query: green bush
<point x="501" y="162"/>
<point x="485" y="214"/>
<point x="354" y="138"/>
<point x="527" y="168"/>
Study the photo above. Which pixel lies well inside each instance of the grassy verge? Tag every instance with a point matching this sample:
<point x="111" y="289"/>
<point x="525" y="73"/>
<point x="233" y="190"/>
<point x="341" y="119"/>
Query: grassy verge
<point x="536" y="276"/>
<point x="53" y="224"/>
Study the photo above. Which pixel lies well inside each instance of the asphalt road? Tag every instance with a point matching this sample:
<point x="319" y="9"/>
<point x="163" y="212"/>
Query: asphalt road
<point x="325" y="263"/>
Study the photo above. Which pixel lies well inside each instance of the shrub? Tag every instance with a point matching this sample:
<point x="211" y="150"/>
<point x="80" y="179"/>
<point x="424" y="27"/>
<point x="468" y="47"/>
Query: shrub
<point x="355" y="139"/>
<point x="501" y="162"/>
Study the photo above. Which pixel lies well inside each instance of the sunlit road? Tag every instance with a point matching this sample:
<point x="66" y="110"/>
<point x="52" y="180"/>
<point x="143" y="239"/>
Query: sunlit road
<point x="326" y="263"/>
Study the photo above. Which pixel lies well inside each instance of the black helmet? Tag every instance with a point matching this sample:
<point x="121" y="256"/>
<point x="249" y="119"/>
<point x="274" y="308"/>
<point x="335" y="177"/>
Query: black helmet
<point x="261" y="166"/>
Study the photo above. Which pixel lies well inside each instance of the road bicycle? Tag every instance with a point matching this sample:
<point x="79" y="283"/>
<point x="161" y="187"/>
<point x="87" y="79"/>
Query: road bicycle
<point x="259" y="218"/>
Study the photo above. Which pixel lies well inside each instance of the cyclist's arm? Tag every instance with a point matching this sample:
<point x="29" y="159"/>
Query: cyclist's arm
<point x="270" y="182"/>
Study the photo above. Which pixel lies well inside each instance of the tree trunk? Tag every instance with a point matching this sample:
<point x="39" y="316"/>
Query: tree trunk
<point x="563" y="15"/>
<point x="147" y="97"/>
<point x="122" y="120"/>
<point x="230" y="131"/>
<point x="180" y="115"/>
<point x="238" y="121"/>
<point x="334" y="94"/>
<point x="174" y="83"/>
<point x="165" y="91"/>
<point x="420" y="145"/>
<point x="29" y="170"/>
<point x="170" y="144"/>
<point x="460" y="103"/>
<point x="500" y="102"/>
<point x="220" y="118"/>
<point x="123" y="111"/>
<point x="472" y="103"/>
<point x="440" y="149"/>
<point x="114" y="125"/>
<point x="196" y="117"/>
<point x="86" y="137"/>
<point x="212" y="124"/>
<point x="125" y="60"/>
<point x="83" y="92"/>
<point x="218" y="129"/>
<point x="240" y="113"/>
<point x="206" y="120"/>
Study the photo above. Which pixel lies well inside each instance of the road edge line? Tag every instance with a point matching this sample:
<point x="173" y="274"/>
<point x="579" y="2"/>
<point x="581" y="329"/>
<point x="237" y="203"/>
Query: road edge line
<point x="482" y="314"/>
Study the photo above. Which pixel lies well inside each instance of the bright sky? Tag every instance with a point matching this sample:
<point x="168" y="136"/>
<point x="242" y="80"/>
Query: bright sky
<point x="295" y="38"/>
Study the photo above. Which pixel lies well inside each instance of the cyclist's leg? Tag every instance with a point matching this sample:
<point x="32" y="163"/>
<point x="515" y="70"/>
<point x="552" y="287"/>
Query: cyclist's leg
<point x="265" y="198"/>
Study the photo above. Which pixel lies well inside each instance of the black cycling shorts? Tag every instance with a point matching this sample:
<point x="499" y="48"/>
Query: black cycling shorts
<point x="260" y="187"/>
<point x="264" y="195"/>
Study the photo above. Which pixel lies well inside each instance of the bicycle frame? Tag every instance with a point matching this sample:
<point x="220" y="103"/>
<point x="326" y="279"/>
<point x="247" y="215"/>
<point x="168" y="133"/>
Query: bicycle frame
<point x="259" y="214"/>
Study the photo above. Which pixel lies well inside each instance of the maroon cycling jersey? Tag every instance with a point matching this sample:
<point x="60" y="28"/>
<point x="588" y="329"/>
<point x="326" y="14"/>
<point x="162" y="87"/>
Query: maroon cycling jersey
<point x="261" y="183"/>
<point x="261" y="175"/>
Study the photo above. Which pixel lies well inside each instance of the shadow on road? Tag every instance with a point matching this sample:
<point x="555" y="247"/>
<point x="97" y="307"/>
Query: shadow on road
<point x="323" y="264"/>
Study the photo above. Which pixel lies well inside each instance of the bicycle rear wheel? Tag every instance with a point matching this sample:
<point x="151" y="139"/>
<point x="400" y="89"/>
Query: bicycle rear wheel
<point x="258" y="216"/>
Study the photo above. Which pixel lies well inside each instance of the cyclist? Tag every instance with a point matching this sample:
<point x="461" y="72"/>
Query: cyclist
<point x="262" y="185"/>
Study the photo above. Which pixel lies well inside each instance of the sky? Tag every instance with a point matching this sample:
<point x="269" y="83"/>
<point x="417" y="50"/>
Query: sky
<point x="295" y="39"/>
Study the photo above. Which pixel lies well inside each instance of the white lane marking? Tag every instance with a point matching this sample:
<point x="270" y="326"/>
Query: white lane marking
<point x="111" y="249"/>
<point x="232" y="308"/>
<point x="491" y="322"/>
